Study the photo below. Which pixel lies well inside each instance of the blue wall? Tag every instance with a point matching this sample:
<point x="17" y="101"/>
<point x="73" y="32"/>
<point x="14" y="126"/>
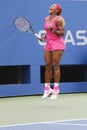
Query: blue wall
<point x="19" y="48"/>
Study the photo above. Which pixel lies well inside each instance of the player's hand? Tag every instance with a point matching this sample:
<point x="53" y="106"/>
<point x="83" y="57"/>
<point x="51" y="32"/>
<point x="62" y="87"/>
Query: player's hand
<point x="51" y="28"/>
<point x="42" y="38"/>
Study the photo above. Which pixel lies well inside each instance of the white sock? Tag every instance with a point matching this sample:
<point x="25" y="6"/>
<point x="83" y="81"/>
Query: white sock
<point x="47" y="85"/>
<point x="56" y="84"/>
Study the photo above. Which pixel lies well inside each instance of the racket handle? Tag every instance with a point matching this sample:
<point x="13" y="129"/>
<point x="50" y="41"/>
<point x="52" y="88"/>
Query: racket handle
<point x="37" y="35"/>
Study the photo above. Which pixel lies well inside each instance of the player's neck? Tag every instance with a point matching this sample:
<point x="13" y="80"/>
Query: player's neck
<point x="52" y="16"/>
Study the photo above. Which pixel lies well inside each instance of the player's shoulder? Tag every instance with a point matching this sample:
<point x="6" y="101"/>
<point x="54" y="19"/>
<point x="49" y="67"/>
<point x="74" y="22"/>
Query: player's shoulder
<point x="46" y="18"/>
<point x="61" y="19"/>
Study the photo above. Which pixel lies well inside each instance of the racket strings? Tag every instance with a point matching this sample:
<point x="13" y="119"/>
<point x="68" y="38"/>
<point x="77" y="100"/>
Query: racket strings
<point x="22" y="24"/>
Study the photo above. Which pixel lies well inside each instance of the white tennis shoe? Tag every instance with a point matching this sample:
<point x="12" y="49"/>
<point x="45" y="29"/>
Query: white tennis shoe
<point x="47" y="93"/>
<point x="55" y="94"/>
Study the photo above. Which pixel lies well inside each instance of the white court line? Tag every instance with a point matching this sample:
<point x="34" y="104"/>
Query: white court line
<point x="48" y="122"/>
<point x="68" y="124"/>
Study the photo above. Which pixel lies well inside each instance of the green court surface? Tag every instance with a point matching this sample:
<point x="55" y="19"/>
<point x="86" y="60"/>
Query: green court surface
<point x="32" y="109"/>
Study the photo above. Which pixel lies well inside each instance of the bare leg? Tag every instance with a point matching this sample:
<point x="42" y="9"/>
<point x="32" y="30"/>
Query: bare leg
<point x="56" y="56"/>
<point x="48" y="67"/>
<point x="48" y="73"/>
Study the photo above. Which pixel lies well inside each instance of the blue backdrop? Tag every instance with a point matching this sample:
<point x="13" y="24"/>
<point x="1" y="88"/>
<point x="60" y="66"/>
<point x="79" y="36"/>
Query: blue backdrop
<point x="19" y="48"/>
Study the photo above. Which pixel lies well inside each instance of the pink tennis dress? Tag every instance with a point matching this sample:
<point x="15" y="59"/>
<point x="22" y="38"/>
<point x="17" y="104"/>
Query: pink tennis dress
<point x="53" y="41"/>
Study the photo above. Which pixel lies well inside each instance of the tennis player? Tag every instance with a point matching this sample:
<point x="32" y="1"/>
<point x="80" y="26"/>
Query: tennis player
<point x="53" y="50"/>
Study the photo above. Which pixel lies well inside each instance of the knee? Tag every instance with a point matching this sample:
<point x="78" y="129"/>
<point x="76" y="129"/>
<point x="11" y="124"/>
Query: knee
<point x="56" y="67"/>
<point x="48" y="67"/>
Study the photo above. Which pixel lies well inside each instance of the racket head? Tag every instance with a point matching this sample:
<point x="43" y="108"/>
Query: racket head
<point x="22" y="24"/>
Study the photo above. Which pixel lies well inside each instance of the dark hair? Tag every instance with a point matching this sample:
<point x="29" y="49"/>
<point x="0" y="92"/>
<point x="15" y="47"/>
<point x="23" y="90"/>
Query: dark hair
<point x="59" y="12"/>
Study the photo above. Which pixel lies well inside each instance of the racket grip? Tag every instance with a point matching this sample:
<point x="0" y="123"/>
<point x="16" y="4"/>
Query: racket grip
<point x="37" y="35"/>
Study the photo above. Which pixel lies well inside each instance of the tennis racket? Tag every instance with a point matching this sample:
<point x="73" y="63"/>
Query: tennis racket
<point x="24" y="25"/>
